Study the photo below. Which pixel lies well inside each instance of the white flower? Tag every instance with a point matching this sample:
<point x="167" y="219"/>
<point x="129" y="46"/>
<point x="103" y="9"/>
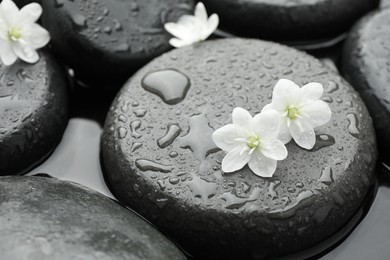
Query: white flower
<point x="20" y="36"/>
<point x="191" y="29"/>
<point x="300" y="111"/>
<point x="251" y="140"/>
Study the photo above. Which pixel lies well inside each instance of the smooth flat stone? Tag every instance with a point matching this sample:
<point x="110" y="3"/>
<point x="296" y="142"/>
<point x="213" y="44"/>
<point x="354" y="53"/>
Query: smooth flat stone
<point x="180" y="187"/>
<point x="45" y="218"/>
<point x="110" y="39"/>
<point x="289" y="21"/>
<point x="33" y="112"/>
<point x="365" y="64"/>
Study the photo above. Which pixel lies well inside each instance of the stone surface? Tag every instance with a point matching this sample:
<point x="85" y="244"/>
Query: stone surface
<point x="290" y="21"/>
<point x="33" y="112"/>
<point x="180" y="187"/>
<point x="366" y="64"/>
<point x="110" y="39"/>
<point x="45" y="218"/>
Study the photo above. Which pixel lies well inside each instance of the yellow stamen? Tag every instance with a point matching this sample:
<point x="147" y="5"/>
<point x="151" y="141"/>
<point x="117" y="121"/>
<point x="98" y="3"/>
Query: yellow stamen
<point x="14" y="34"/>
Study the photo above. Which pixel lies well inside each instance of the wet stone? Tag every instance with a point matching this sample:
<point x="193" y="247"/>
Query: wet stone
<point x="106" y="41"/>
<point x="33" y="112"/>
<point x="51" y="219"/>
<point x="366" y="66"/>
<point x="179" y="184"/>
<point x="290" y="21"/>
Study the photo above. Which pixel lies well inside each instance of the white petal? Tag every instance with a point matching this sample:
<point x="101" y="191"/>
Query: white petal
<point x="303" y="133"/>
<point x="29" y="14"/>
<point x="267" y="123"/>
<point x="7" y="55"/>
<point x="25" y="52"/>
<point x="261" y="165"/>
<point x="211" y="26"/>
<point x="317" y="113"/>
<point x="9" y="11"/>
<point x="310" y="93"/>
<point x="36" y="36"/>
<point x="225" y="137"/>
<point x="284" y="134"/>
<point x="241" y="117"/>
<point x="200" y="12"/>
<point x="285" y="93"/>
<point x="177" y="43"/>
<point x="267" y="107"/>
<point x="273" y="149"/>
<point x="178" y="30"/>
<point x="235" y="159"/>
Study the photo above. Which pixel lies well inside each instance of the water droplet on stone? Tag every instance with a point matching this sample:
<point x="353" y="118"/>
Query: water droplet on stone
<point x="323" y="141"/>
<point x="170" y="85"/>
<point x="79" y="20"/>
<point x="332" y="87"/>
<point x="353" y="126"/>
<point x="140" y="112"/>
<point x="201" y="188"/>
<point x="232" y="201"/>
<point x="122" y="132"/>
<point x="147" y="165"/>
<point x="173" y="131"/>
<point x="198" y="139"/>
<point x="326" y="176"/>
<point x="134" y="126"/>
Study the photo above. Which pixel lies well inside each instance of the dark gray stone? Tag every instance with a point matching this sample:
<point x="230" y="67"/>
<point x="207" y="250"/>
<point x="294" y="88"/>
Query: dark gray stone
<point x="45" y="218"/>
<point x="110" y="39"/>
<point x="287" y="20"/>
<point x="366" y="65"/>
<point x="33" y="112"/>
<point x="180" y="187"/>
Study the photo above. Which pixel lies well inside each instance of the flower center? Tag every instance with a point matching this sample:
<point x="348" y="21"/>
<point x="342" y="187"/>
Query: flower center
<point x="252" y="142"/>
<point x="14" y="34"/>
<point x="292" y="112"/>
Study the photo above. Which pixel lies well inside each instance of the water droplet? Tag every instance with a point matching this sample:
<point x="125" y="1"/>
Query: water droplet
<point x="173" y="131"/>
<point x="59" y="3"/>
<point x="134" y="126"/>
<point x="124" y="47"/>
<point x="79" y="20"/>
<point x="332" y="87"/>
<point x="326" y="176"/>
<point x="271" y="189"/>
<point x="170" y="85"/>
<point x="323" y="141"/>
<point x="173" y="154"/>
<point x="290" y="210"/>
<point x="198" y="139"/>
<point x="140" y="112"/>
<point x="353" y="126"/>
<point x="232" y="201"/>
<point x="147" y="165"/>
<point x="201" y="188"/>
<point x="135" y="147"/>
<point x="10" y="103"/>
<point x="122" y="132"/>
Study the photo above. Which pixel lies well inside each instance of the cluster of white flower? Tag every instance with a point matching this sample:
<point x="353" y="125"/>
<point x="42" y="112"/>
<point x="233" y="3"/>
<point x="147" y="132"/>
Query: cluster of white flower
<point x="20" y="35"/>
<point x="260" y="141"/>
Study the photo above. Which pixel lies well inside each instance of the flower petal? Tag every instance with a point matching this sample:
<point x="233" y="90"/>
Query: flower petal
<point x="200" y="12"/>
<point x="285" y="93"/>
<point x="261" y="165"/>
<point x="303" y="133"/>
<point x="267" y="123"/>
<point x="212" y="25"/>
<point x="9" y="11"/>
<point x="273" y="149"/>
<point x="236" y="159"/>
<point x="225" y="137"/>
<point x="29" y="14"/>
<point x="7" y="55"/>
<point x="310" y="93"/>
<point x="178" y="30"/>
<point x="36" y="35"/>
<point x="241" y="117"/>
<point x="25" y="52"/>
<point x="318" y="113"/>
<point x="177" y="43"/>
<point x="284" y="134"/>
